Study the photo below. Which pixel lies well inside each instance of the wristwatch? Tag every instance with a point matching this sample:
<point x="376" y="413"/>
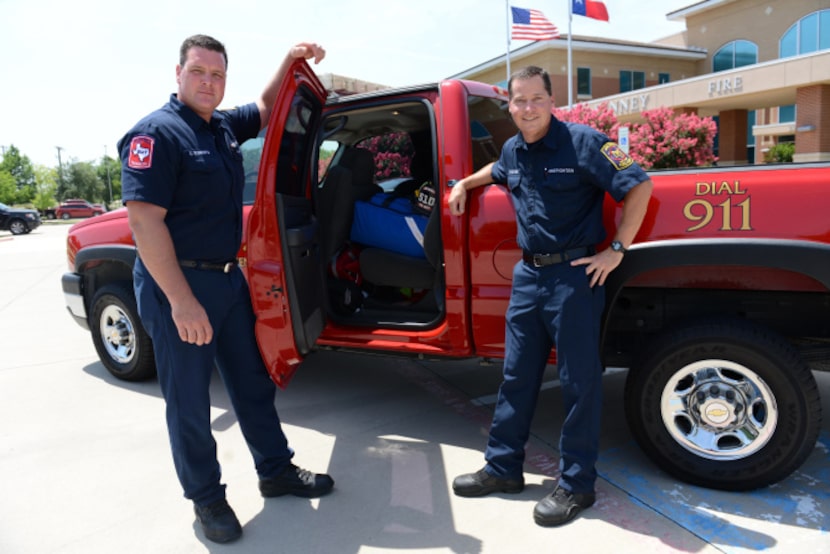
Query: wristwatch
<point x="617" y="246"/>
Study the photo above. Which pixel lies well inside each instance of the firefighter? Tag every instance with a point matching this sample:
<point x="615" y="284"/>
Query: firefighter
<point x="558" y="174"/>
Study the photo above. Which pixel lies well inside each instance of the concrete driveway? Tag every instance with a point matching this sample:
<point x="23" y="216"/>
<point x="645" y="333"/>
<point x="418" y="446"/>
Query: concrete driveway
<point x="85" y="465"/>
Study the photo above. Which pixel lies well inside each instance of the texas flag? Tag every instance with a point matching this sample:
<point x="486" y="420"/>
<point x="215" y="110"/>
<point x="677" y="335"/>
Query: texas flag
<point x="590" y="8"/>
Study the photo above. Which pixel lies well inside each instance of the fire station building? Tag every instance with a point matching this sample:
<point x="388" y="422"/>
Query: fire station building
<point x="761" y="68"/>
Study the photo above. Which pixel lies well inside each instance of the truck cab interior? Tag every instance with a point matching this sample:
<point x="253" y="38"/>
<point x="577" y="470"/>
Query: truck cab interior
<point x="379" y="153"/>
<point x="361" y="154"/>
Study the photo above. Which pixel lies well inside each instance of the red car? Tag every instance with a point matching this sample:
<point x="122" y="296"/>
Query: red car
<point x="74" y="208"/>
<point x="720" y="308"/>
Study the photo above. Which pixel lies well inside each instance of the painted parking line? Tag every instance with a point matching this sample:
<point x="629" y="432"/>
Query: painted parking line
<point x="735" y="521"/>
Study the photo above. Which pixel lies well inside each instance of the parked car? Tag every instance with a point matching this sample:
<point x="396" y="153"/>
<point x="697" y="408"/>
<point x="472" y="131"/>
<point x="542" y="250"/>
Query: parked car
<point x="76" y="207"/>
<point x="18" y="220"/>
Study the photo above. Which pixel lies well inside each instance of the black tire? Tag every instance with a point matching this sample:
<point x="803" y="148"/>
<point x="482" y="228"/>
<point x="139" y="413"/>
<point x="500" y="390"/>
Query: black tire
<point x="723" y="404"/>
<point x="65" y="216"/>
<point x="123" y="345"/>
<point x="18" y="227"/>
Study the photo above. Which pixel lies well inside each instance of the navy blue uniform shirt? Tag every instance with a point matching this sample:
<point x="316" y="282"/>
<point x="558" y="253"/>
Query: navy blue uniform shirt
<point x="558" y="185"/>
<point x="175" y="159"/>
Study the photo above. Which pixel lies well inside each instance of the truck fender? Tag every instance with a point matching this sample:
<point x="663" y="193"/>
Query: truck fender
<point x="799" y="256"/>
<point x="112" y="253"/>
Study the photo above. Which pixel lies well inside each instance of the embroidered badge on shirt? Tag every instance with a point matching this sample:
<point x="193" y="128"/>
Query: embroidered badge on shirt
<point x="141" y="152"/>
<point x="616" y="155"/>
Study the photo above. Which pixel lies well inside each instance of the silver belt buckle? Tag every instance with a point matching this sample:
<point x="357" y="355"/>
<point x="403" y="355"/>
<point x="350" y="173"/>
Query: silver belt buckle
<point x="537" y="260"/>
<point x="228" y="267"/>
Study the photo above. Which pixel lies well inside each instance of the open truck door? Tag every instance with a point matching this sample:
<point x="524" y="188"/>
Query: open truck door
<point x="284" y="267"/>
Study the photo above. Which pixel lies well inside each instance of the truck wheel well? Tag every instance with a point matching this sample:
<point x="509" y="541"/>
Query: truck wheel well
<point x="634" y="314"/>
<point x="103" y="266"/>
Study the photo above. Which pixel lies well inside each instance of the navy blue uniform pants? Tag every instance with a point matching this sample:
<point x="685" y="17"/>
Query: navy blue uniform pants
<point x="185" y="370"/>
<point x="550" y="306"/>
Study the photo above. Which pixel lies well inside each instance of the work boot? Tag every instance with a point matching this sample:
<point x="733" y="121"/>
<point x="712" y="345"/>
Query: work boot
<point x="296" y="481"/>
<point x="561" y="506"/>
<point x="218" y="521"/>
<point x="482" y="483"/>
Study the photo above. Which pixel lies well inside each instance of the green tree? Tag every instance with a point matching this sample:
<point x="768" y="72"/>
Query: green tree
<point x="8" y="187"/>
<point x="20" y="168"/>
<point x="46" y="187"/>
<point x="109" y="172"/>
<point x="82" y="181"/>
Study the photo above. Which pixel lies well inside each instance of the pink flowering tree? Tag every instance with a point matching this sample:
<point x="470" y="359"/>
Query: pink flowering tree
<point x="602" y="118"/>
<point x="664" y="140"/>
<point x="393" y="152"/>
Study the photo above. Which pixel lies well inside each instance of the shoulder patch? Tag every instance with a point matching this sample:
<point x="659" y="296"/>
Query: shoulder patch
<point x="616" y="155"/>
<point x="141" y="152"/>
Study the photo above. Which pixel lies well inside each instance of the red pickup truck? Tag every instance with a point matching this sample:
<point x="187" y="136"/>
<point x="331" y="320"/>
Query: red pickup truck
<point x="719" y="310"/>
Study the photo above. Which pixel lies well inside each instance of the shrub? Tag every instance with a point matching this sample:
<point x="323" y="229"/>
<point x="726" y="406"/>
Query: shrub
<point x="781" y="152"/>
<point x="663" y="140"/>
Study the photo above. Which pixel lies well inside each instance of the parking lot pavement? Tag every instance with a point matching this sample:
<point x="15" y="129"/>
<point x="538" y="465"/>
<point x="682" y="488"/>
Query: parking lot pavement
<point x="85" y="465"/>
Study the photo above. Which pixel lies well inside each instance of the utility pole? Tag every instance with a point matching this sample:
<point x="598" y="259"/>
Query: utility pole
<point x="60" y="171"/>
<point x="109" y="181"/>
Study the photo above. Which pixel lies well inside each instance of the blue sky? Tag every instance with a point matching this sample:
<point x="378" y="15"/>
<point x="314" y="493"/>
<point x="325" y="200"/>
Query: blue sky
<point x="79" y="74"/>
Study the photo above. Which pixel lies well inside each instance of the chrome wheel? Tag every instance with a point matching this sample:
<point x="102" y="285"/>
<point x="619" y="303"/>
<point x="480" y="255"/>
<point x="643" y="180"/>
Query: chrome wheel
<point x="122" y="343"/>
<point x="117" y="334"/>
<point x="723" y="403"/>
<point x="719" y="410"/>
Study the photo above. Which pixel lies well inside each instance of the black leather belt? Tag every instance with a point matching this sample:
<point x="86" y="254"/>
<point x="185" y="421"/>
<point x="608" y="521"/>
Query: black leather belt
<point x="541" y="260"/>
<point x="224" y="267"/>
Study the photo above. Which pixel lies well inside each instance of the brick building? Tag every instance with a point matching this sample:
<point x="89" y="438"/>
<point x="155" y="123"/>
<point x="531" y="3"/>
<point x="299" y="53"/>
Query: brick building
<point x="761" y="68"/>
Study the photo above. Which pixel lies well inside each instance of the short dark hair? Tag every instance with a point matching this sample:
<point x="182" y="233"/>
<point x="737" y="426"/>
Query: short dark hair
<point x="201" y="41"/>
<point x="527" y="73"/>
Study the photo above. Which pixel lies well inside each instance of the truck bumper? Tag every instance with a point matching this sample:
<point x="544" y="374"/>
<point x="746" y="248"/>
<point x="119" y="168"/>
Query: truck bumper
<point x="72" y="285"/>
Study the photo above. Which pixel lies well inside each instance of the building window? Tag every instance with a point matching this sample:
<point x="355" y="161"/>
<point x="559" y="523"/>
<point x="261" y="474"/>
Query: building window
<point x="663" y="78"/>
<point x="808" y="34"/>
<point x="786" y="114"/>
<point x="583" y="81"/>
<point x="632" y="80"/>
<point x="737" y="53"/>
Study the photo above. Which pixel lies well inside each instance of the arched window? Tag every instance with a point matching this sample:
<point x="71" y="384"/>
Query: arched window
<point x="808" y="34"/>
<point x="737" y="53"/>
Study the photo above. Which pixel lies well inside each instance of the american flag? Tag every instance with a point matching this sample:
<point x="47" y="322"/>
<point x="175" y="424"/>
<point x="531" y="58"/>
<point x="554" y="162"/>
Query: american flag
<point x="531" y="25"/>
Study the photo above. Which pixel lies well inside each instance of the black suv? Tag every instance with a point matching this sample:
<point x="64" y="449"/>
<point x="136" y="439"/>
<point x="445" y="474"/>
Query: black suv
<point x="18" y="220"/>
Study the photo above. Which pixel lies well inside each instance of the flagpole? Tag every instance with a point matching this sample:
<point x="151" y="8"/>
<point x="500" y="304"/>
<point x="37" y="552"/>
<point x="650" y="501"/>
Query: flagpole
<point x="507" y="6"/>
<point x="570" y="57"/>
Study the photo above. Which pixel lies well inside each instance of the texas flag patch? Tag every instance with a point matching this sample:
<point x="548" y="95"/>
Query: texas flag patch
<point x="141" y="152"/>
<point x="616" y="155"/>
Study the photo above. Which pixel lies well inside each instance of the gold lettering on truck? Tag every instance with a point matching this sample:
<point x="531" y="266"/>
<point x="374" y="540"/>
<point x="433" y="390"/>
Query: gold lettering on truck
<point x="731" y="214"/>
